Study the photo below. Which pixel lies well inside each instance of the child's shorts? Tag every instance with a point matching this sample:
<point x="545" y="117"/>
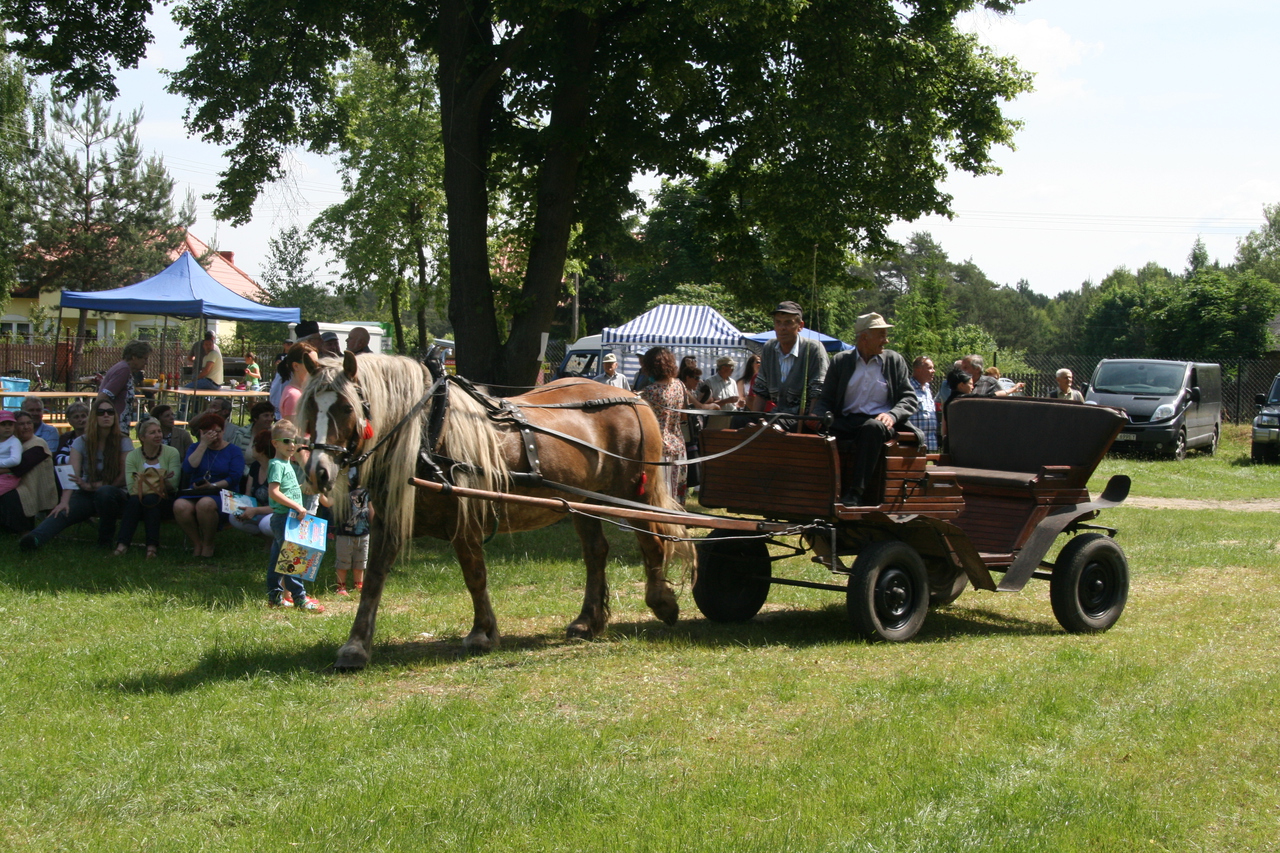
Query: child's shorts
<point x="352" y="552"/>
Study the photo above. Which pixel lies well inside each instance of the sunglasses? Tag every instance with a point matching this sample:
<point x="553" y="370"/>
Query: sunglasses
<point x="106" y="411"/>
<point x="289" y="441"/>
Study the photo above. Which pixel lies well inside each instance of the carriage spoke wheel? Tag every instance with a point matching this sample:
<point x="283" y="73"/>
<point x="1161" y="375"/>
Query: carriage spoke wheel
<point x="733" y="576"/>
<point x="888" y="593"/>
<point x="1090" y="584"/>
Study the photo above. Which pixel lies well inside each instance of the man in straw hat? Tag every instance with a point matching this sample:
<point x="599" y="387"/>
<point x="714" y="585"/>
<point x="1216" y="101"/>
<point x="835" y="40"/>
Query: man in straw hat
<point x="721" y="388"/>
<point x="611" y="376"/>
<point x="868" y="389"/>
<point x="791" y="367"/>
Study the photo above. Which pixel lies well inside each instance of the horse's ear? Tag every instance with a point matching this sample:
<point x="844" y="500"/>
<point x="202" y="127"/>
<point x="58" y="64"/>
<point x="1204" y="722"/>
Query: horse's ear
<point x="312" y="362"/>
<point x="349" y="365"/>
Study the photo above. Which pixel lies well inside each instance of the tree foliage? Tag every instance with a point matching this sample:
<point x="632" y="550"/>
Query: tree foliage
<point x="16" y="141"/>
<point x="390" y="231"/>
<point x="831" y="118"/>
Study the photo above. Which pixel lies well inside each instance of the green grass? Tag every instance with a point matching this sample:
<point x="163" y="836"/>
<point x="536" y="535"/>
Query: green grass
<point x="161" y="706"/>
<point x="1228" y="475"/>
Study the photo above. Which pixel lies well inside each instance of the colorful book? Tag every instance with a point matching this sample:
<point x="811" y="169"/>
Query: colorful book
<point x="303" y="548"/>
<point x="233" y="502"/>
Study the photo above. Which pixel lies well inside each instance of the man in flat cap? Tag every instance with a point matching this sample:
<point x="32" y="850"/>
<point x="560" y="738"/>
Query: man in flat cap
<point x="792" y="367"/>
<point x="611" y="376"/>
<point x="869" y="391"/>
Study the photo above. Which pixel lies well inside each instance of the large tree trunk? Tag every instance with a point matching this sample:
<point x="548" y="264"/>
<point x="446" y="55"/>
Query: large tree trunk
<point x="396" y="317"/>
<point x="469" y="78"/>
<point x="557" y="195"/>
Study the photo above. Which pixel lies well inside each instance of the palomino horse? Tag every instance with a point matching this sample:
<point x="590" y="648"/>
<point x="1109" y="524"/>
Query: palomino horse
<point x="383" y="404"/>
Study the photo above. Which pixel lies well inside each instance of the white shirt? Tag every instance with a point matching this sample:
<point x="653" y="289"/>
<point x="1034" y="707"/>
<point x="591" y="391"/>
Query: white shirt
<point x="868" y="391"/>
<point x="617" y="380"/>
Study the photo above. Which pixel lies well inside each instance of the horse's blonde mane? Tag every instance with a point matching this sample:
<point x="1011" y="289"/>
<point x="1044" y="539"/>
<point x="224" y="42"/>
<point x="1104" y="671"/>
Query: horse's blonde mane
<point x="391" y="386"/>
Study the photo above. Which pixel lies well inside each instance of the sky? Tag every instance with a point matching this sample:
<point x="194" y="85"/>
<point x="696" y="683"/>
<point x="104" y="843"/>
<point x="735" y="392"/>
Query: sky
<point x="1150" y="125"/>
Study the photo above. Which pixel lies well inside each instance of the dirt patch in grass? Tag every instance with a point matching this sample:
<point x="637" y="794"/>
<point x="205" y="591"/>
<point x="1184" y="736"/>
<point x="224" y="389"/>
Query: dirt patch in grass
<point x="1252" y="505"/>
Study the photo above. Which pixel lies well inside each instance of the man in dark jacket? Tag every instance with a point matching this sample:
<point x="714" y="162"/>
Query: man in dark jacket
<point x="868" y="389"/>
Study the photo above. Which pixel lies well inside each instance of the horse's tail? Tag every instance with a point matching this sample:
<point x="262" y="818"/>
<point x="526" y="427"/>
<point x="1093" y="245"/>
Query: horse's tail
<point x="677" y="551"/>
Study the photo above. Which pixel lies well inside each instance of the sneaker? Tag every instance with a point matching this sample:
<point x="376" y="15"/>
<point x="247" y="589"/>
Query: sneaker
<point x="275" y="600"/>
<point x="310" y="605"/>
<point x="342" y="591"/>
<point x="359" y="585"/>
<point x="28" y="542"/>
<point x="286" y="599"/>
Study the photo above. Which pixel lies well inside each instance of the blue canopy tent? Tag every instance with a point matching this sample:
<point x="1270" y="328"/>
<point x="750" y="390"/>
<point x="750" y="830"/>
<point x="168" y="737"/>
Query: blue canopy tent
<point x="830" y="344"/>
<point x="183" y="289"/>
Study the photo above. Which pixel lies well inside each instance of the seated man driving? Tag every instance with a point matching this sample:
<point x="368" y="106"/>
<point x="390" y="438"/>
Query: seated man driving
<point x="868" y="389"/>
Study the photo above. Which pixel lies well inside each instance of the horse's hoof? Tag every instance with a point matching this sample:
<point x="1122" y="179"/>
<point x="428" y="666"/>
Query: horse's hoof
<point x="350" y="659"/>
<point x="479" y="641"/>
<point x="579" y="631"/>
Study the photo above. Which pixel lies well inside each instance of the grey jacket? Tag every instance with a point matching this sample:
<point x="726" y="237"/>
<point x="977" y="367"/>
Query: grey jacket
<point x="903" y="402"/>
<point x="811" y="362"/>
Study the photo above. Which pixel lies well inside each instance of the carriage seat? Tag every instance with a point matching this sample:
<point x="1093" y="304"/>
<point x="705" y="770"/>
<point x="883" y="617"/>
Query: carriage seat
<point x="1025" y="443"/>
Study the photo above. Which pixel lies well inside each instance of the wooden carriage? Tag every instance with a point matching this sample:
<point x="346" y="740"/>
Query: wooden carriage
<point x="1014" y="479"/>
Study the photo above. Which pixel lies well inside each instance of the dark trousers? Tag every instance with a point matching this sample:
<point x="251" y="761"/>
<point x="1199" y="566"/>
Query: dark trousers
<point x="12" y="518"/>
<point x="870" y="435"/>
<point x="106" y="502"/>
<point x="150" y="516"/>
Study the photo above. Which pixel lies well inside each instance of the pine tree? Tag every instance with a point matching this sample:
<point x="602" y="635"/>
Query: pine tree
<point x="103" y="216"/>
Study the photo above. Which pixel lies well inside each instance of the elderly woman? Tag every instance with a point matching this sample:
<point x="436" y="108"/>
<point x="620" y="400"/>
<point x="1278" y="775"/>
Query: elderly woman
<point x="152" y="470"/>
<point x="173" y="436"/>
<point x="211" y="465"/>
<point x="97" y="482"/>
<point x="36" y="489"/>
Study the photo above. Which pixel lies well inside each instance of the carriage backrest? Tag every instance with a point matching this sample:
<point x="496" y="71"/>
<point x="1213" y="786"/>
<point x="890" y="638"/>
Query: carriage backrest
<point x="1028" y="434"/>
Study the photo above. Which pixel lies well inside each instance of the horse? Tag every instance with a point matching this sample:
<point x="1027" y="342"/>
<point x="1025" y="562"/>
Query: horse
<point x="377" y="410"/>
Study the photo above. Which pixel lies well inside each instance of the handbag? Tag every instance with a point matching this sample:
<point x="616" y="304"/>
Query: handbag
<point x="150" y="486"/>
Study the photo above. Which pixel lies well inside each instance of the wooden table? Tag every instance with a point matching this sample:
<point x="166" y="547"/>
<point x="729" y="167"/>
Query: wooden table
<point x="242" y="398"/>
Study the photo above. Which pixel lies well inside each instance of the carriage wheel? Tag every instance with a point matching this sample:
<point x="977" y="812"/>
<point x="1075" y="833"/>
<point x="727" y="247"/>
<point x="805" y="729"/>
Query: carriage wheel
<point x="733" y="576"/>
<point x="946" y="582"/>
<point x="888" y="593"/>
<point x="1090" y="584"/>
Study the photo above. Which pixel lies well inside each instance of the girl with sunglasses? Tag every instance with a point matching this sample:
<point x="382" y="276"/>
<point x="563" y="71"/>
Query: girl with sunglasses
<point x="97" y="482"/>
<point x="285" y="497"/>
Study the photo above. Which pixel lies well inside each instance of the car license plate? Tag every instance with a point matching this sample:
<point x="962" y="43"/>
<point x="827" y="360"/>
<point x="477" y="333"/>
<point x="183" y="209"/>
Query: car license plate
<point x="1126" y="436"/>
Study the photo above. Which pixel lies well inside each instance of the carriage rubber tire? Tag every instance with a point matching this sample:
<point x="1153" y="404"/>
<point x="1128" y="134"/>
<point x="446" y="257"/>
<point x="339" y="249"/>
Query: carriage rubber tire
<point x="946" y="582"/>
<point x="1180" y="445"/>
<point x="888" y="593"/>
<point x="732" y="582"/>
<point x="1090" y="584"/>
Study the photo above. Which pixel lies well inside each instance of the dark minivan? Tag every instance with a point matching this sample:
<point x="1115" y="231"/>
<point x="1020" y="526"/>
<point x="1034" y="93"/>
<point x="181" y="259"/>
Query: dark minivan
<point x="1171" y="405"/>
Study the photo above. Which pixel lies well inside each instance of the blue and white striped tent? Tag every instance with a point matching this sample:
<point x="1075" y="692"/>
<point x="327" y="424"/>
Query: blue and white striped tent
<point x="695" y="330"/>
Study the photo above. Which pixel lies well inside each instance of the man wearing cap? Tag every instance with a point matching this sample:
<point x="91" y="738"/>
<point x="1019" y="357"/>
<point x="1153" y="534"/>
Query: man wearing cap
<point x="869" y="391"/>
<point x="330" y="344"/>
<point x="721" y="388"/>
<point x="611" y="376"/>
<point x="792" y="368"/>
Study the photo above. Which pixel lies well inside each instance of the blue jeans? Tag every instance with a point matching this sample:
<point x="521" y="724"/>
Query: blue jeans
<point x="106" y="502"/>
<point x="274" y="579"/>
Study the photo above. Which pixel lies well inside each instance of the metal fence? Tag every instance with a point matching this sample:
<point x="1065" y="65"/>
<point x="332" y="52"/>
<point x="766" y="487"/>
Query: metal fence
<point x="1242" y="379"/>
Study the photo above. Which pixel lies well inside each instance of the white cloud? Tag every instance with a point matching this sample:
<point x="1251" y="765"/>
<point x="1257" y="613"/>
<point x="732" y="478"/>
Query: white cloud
<point x="1049" y="52"/>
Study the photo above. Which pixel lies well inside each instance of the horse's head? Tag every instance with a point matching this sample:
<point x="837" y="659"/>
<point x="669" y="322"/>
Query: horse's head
<point x="335" y="415"/>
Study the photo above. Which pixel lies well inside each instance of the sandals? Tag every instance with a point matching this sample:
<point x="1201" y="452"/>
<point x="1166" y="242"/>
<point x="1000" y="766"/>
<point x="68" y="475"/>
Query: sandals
<point x="120" y="550"/>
